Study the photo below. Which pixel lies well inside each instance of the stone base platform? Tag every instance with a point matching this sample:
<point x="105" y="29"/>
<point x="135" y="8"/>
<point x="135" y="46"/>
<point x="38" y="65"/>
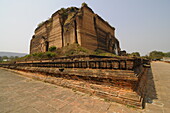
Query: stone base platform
<point x="112" y="85"/>
<point x="119" y="79"/>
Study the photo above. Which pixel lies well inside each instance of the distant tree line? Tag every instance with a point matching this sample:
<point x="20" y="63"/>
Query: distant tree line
<point x="158" y="55"/>
<point x="6" y="58"/>
<point x="154" y="55"/>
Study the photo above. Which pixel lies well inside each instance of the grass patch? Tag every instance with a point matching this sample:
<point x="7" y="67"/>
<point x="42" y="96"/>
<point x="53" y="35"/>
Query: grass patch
<point x="107" y="100"/>
<point x="130" y="106"/>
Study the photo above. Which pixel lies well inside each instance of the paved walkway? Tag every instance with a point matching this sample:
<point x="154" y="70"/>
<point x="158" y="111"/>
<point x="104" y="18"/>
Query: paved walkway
<point x="159" y="88"/>
<point x="19" y="94"/>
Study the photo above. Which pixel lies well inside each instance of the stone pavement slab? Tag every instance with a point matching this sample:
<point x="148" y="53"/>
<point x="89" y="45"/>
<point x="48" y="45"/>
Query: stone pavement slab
<point x="19" y="94"/>
<point x="158" y="96"/>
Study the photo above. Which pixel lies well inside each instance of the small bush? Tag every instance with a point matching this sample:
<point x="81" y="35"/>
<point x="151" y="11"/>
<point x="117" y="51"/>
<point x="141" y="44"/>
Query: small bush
<point x="40" y="55"/>
<point x="63" y="9"/>
<point x="34" y="54"/>
<point x="84" y="4"/>
<point x="98" y="51"/>
<point x="104" y="53"/>
<point x="53" y="48"/>
<point x="50" y="54"/>
<point x="40" y="24"/>
<point x="72" y="9"/>
<point x="25" y="57"/>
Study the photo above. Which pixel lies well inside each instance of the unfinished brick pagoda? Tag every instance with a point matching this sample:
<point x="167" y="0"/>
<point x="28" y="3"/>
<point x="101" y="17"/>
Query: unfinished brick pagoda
<point x="75" y="25"/>
<point x="120" y="79"/>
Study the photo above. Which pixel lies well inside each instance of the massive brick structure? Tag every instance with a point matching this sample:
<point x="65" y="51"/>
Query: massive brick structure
<point x="75" y="25"/>
<point x="120" y="79"/>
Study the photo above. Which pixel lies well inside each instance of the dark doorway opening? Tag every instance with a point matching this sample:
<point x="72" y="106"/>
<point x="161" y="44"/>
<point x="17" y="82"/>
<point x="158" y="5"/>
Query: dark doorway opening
<point x="47" y="46"/>
<point x="75" y="30"/>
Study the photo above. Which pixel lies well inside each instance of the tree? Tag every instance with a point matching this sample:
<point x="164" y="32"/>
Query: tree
<point x="156" y="55"/>
<point x="11" y="57"/>
<point x="5" y="57"/>
<point x="134" y="54"/>
<point x="1" y="59"/>
<point x="167" y="54"/>
<point x="16" y="57"/>
<point x="137" y="54"/>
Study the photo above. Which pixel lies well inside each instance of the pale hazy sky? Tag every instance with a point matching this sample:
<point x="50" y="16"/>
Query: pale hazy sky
<point x="141" y="25"/>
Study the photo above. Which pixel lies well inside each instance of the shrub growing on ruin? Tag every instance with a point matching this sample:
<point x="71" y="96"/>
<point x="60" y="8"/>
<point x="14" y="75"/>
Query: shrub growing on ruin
<point x="84" y="4"/>
<point x="40" y="55"/>
<point x="40" y="24"/>
<point x="53" y="48"/>
<point x="50" y="54"/>
<point x="35" y="54"/>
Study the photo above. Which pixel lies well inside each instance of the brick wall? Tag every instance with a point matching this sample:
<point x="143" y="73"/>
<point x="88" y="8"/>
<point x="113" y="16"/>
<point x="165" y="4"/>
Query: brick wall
<point x="81" y="26"/>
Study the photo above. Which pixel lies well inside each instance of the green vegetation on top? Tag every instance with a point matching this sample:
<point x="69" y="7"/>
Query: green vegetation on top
<point x="83" y="4"/>
<point x="41" y="23"/>
<point x="75" y="49"/>
<point x="52" y="48"/>
<point x="65" y="13"/>
<point x="70" y="50"/>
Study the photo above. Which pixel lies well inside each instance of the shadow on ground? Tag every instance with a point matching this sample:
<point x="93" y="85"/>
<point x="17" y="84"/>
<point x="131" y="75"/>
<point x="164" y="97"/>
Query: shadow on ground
<point x="151" y="91"/>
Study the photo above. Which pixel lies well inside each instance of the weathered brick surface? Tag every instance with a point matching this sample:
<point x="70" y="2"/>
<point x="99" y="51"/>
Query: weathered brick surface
<point x="112" y="93"/>
<point x="142" y="83"/>
<point x="123" y="85"/>
<point x="80" y="26"/>
<point x="23" y="95"/>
